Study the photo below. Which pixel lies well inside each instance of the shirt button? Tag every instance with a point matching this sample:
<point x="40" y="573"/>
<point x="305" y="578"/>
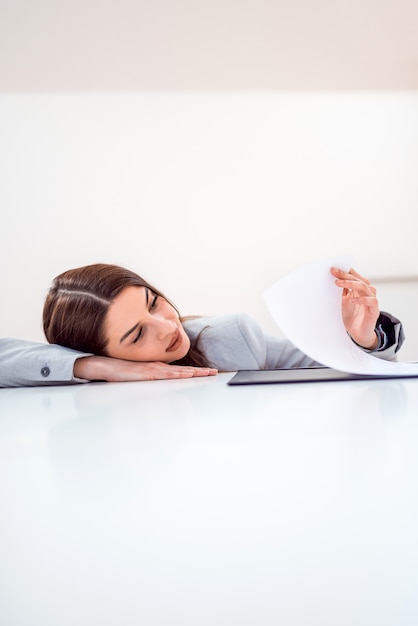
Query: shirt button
<point x="45" y="371"/>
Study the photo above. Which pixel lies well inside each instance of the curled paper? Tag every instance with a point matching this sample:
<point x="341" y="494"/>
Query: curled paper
<point x="306" y="306"/>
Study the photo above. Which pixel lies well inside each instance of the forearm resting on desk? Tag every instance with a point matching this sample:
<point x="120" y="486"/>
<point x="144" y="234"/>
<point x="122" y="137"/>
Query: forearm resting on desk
<point x="117" y="370"/>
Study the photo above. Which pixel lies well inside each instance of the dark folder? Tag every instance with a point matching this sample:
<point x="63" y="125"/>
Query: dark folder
<point x="303" y="375"/>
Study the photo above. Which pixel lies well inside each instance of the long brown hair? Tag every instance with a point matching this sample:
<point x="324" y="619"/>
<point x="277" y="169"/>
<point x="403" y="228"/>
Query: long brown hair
<point x="77" y="303"/>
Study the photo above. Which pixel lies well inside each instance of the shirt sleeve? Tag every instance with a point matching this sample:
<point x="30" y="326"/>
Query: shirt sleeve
<point x="388" y="328"/>
<point x="25" y="363"/>
<point x="391" y="336"/>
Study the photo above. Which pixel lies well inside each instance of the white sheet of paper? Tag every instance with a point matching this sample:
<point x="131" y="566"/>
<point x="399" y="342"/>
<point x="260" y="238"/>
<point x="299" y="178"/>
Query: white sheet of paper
<point x="306" y="306"/>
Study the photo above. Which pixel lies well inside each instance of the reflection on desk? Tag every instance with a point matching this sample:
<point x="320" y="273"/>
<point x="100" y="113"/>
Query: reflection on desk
<point x="193" y="502"/>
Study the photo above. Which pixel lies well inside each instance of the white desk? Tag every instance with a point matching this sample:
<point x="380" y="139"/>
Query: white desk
<point x="194" y="503"/>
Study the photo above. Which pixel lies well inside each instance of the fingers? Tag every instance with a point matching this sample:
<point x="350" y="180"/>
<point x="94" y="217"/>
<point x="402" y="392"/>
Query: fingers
<point x="335" y="271"/>
<point x="370" y="302"/>
<point x="163" y="371"/>
<point x="119" y="370"/>
<point x="352" y="281"/>
<point x="202" y="371"/>
<point x="360" y="307"/>
<point x="359" y="276"/>
<point x="357" y="286"/>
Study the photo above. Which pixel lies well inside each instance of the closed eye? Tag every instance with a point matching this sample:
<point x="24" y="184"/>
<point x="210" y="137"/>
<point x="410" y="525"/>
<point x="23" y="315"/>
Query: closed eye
<point x="138" y="335"/>
<point x="140" y="331"/>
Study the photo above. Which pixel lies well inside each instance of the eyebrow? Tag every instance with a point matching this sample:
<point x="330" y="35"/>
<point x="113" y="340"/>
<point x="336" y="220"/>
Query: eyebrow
<point x="131" y="330"/>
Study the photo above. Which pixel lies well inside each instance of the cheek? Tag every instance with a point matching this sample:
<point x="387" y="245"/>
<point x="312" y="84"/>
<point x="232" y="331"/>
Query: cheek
<point x="186" y="345"/>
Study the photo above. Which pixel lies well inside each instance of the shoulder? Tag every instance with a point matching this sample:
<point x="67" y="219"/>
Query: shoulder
<point x="231" y="341"/>
<point x="229" y="324"/>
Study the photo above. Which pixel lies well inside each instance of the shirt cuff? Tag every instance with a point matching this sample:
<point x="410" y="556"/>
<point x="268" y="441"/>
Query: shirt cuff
<point x="382" y="341"/>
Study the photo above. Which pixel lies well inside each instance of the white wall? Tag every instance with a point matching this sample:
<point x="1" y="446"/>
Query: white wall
<point x="211" y="196"/>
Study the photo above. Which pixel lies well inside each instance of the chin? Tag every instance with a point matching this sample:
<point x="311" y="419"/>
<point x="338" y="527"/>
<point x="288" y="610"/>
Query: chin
<point x="181" y="353"/>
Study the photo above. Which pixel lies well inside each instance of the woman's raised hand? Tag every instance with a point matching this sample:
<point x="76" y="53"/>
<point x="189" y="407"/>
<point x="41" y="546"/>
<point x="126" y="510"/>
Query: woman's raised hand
<point x="360" y="307"/>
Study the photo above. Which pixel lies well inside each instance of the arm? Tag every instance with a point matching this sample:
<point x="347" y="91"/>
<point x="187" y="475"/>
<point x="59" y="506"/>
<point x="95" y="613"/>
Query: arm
<point x="281" y="353"/>
<point x="26" y="363"/>
<point x="117" y="370"/>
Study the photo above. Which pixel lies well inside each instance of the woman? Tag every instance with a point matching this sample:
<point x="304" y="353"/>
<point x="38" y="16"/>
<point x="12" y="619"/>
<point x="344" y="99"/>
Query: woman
<point x="111" y="311"/>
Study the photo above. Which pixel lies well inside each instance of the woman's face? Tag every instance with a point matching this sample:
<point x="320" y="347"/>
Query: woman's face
<point x="141" y="326"/>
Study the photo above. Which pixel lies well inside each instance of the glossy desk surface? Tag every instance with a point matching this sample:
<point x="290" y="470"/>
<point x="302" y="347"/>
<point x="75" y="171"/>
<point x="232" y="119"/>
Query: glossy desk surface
<point x="195" y="503"/>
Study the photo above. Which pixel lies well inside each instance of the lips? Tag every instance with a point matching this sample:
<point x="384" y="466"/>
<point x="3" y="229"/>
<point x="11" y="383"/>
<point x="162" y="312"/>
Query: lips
<point x="176" y="342"/>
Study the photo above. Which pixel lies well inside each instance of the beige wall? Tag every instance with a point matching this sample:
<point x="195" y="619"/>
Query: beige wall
<point x="208" y="44"/>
